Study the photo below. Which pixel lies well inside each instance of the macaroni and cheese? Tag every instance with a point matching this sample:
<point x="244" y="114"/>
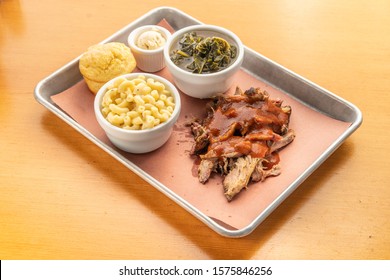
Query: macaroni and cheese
<point x="137" y="104"/>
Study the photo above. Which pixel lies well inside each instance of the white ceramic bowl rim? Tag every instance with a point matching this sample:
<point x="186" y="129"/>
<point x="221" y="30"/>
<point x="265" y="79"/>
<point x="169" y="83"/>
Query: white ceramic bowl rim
<point x="136" y="32"/>
<point x="174" y="115"/>
<point x="204" y="27"/>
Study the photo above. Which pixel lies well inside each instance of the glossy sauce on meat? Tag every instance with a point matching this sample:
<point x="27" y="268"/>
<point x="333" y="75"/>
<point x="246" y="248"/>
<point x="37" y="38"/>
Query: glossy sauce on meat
<point x="242" y="125"/>
<point x="240" y="139"/>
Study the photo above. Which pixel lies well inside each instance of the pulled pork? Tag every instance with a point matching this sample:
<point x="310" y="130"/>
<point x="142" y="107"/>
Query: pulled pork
<point x="240" y="137"/>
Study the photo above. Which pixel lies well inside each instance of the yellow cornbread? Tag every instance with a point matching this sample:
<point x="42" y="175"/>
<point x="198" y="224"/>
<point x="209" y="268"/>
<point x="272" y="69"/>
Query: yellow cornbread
<point x="101" y="63"/>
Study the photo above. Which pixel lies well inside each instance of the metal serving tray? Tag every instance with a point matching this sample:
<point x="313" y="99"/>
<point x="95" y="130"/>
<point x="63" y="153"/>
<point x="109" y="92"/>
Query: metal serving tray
<point x="293" y="85"/>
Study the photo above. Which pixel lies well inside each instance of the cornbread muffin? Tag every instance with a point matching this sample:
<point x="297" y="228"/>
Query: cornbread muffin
<point x="101" y="63"/>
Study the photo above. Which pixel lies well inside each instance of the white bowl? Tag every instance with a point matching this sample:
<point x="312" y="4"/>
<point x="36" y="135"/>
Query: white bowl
<point x="148" y="60"/>
<point x="204" y="85"/>
<point x="138" y="141"/>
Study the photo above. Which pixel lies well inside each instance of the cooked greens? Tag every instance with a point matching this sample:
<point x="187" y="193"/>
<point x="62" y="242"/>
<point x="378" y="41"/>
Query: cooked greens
<point x="203" y="54"/>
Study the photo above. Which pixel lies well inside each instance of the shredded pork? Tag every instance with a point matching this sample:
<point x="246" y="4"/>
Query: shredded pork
<point x="240" y="138"/>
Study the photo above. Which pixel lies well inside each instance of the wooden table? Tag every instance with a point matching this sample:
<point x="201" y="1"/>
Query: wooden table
<point x="61" y="197"/>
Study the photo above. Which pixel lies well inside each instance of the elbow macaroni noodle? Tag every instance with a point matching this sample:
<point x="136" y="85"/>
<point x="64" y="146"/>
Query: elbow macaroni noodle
<point x="137" y="104"/>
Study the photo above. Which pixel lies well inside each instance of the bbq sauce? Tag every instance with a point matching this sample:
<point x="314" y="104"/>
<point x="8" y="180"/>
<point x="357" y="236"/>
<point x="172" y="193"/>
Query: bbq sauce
<point x="244" y="126"/>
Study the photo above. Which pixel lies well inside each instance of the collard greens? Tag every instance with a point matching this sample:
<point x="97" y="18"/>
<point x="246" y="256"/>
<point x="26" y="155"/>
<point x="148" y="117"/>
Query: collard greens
<point x="203" y="54"/>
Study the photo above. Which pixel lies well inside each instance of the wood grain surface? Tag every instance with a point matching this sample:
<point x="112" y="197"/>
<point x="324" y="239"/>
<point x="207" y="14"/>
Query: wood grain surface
<point x="62" y="197"/>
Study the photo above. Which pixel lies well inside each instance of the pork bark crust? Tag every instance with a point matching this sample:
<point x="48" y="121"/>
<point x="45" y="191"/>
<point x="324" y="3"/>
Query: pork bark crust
<point x="240" y="138"/>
